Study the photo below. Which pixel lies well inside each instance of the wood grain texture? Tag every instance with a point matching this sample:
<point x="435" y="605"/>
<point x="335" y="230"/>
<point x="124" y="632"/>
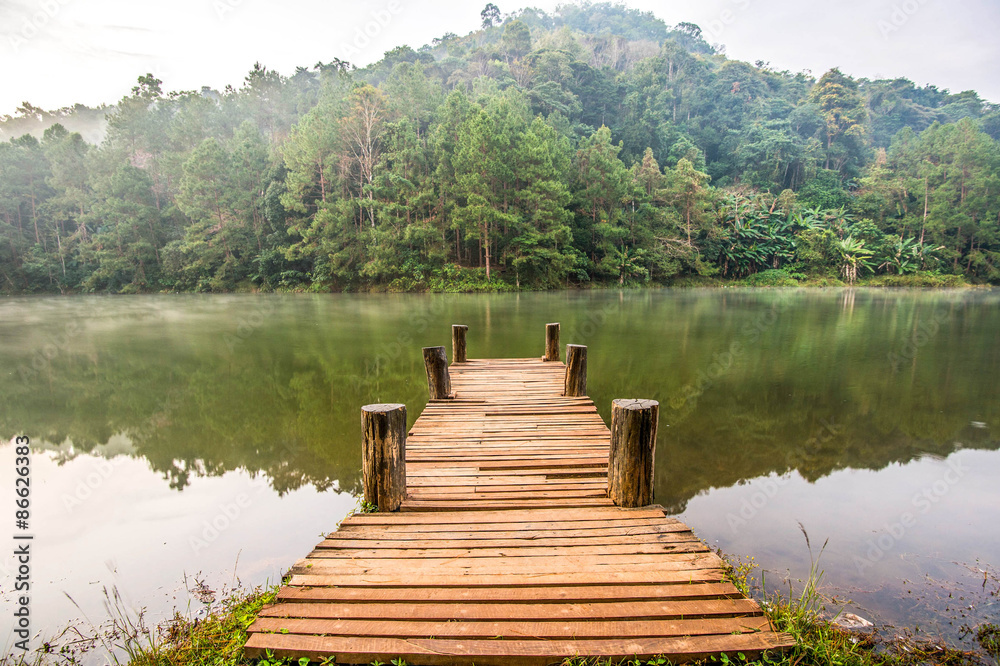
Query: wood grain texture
<point x="438" y="378"/>
<point x="551" y="342"/>
<point x="633" y="445"/>
<point x="507" y="550"/>
<point x="575" y="384"/>
<point x="459" y="351"/>
<point x="383" y="459"/>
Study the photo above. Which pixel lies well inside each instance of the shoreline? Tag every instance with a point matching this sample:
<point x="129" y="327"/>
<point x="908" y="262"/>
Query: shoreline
<point x="776" y="279"/>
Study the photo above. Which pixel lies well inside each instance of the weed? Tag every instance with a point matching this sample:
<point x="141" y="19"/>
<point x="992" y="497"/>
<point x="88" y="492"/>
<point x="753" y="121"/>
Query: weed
<point x="988" y="636"/>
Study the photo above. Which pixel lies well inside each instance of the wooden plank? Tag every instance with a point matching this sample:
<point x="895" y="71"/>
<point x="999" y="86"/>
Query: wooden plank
<point x="563" y="563"/>
<point x="504" y="580"/>
<point x="513" y="629"/>
<point x="504" y="516"/>
<point x="479" y="504"/>
<point x="565" y="593"/>
<point x="442" y="652"/>
<point x="517" y="550"/>
<point x="507" y="550"/>
<point x="598" y="610"/>
<point x="381" y="541"/>
<point x="642" y="543"/>
<point x="529" y="530"/>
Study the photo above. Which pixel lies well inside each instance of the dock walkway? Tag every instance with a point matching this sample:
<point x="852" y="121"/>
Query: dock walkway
<point x="506" y="549"/>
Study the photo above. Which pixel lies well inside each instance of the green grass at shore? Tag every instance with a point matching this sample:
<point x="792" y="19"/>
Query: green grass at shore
<point x="218" y="638"/>
<point x="473" y="280"/>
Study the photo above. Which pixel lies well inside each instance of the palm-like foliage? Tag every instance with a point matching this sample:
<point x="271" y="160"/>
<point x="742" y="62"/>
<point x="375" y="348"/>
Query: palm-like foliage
<point x="754" y="236"/>
<point x="855" y="258"/>
<point x="902" y="256"/>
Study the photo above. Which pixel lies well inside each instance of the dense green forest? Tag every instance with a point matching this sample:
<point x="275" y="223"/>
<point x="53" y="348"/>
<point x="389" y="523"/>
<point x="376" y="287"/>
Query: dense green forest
<point x="592" y="145"/>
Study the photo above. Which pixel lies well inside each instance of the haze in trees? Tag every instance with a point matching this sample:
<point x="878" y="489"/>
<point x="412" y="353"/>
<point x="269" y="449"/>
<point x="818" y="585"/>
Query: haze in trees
<point x="594" y="144"/>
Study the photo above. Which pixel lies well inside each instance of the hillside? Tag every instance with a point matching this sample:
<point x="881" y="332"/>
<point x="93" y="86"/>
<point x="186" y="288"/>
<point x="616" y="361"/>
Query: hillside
<point x="591" y="145"/>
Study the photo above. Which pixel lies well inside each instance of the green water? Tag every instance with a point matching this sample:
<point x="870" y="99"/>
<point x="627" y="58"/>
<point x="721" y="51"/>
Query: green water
<point x="834" y="408"/>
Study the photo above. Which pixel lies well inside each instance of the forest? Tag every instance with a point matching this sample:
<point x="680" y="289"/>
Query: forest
<point x="594" y="145"/>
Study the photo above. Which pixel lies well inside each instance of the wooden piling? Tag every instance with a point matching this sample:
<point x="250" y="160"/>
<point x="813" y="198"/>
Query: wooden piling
<point x="633" y="444"/>
<point x="438" y="380"/>
<point x="458" y="348"/>
<point x="576" y="371"/>
<point x="551" y="342"/>
<point x="384" y="455"/>
<point x="508" y="551"/>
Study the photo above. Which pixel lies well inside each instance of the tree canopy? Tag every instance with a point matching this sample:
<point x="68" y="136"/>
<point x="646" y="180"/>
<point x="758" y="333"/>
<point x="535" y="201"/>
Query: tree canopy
<point x="594" y="144"/>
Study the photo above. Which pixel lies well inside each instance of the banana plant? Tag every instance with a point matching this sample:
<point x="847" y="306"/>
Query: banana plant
<point x="754" y="236"/>
<point x="904" y="256"/>
<point x="854" y="257"/>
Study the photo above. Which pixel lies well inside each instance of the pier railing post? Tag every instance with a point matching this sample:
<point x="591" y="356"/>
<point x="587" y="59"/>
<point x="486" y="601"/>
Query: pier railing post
<point x="458" y="349"/>
<point x="551" y="342"/>
<point x="633" y="444"/>
<point x="576" y="371"/>
<point x="438" y="379"/>
<point x="384" y="455"/>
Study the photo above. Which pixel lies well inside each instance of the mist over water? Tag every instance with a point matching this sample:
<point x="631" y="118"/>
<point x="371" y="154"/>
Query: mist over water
<point x="180" y="440"/>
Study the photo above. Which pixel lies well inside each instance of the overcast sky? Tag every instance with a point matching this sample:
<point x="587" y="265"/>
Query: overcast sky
<point x="54" y="53"/>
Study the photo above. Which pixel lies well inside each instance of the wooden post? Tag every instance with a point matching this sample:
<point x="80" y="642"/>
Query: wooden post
<point x="458" y="332"/>
<point x="551" y="342"/>
<point x="438" y="380"/>
<point x="633" y="444"/>
<point x="384" y="455"/>
<point x="576" y="371"/>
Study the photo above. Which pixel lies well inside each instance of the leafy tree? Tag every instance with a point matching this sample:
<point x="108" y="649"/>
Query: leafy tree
<point x="687" y="188"/>
<point x="601" y="184"/>
<point x="844" y="116"/>
<point x="516" y="40"/>
<point x="490" y="15"/>
<point x="590" y="143"/>
<point x="127" y="234"/>
<point x="542" y="247"/>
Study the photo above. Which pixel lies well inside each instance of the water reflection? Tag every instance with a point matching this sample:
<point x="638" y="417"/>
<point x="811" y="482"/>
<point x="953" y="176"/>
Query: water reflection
<point x="751" y="382"/>
<point x="812" y="387"/>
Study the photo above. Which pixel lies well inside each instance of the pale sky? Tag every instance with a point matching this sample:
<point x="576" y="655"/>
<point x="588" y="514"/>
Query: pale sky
<point x="54" y="53"/>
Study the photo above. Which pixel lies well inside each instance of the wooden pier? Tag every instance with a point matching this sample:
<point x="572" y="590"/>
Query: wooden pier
<point x="506" y="548"/>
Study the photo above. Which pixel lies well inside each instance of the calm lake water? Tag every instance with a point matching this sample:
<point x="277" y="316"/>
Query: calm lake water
<point x="188" y="443"/>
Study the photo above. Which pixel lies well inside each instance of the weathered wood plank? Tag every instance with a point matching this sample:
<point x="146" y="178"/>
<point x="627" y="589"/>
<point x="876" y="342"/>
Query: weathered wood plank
<point x="513" y="629"/>
<point x="497" y="594"/>
<point x="507" y="549"/>
<point x="442" y="652"/>
<point x="598" y="610"/>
